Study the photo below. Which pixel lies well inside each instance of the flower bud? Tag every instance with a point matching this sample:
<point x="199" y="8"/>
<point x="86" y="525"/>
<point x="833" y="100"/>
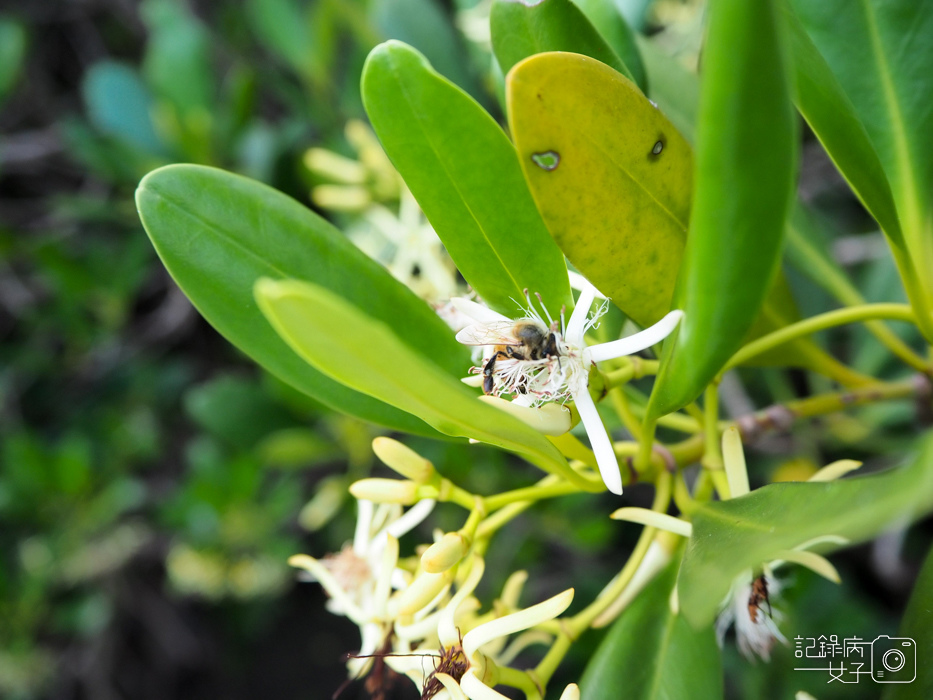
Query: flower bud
<point x="334" y="166"/>
<point x="444" y="553"/>
<point x="385" y="491"/>
<point x="549" y="419"/>
<point x="422" y="591"/>
<point x="341" y="197"/>
<point x="403" y="459"/>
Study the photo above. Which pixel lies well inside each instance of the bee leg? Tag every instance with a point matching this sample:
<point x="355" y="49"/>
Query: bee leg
<point x="489" y="370"/>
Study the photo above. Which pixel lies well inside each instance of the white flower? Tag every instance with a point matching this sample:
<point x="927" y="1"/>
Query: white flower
<point x="749" y="607"/>
<point x="559" y="368"/>
<point x="465" y="664"/>
<point x="361" y="577"/>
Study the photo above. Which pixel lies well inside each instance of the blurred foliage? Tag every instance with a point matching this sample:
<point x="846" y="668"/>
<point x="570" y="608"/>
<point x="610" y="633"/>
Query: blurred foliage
<point x="136" y="444"/>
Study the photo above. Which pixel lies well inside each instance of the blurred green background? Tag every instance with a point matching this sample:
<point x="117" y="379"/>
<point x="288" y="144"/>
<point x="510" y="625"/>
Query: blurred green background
<point x="153" y="482"/>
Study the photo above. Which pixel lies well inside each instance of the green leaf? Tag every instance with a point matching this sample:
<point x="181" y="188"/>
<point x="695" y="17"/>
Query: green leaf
<point x="521" y="29"/>
<point x="650" y="653"/>
<point x="12" y="53"/>
<point x="235" y="410"/>
<point x="832" y="117"/>
<point x="746" y="159"/>
<point x="617" y="209"/>
<point x="177" y="64"/>
<point x="285" y="29"/>
<point x="888" y="79"/>
<point x="424" y="25"/>
<point x="674" y="88"/>
<point x="740" y="534"/>
<point x="217" y="233"/>
<point x="917" y="624"/>
<point x="120" y="105"/>
<point x="610" y="22"/>
<point x="366" y="354"/>
<point x="462" y="170"/>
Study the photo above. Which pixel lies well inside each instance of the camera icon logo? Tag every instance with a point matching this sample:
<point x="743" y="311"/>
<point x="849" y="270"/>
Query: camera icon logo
<point x="893" y="659"/>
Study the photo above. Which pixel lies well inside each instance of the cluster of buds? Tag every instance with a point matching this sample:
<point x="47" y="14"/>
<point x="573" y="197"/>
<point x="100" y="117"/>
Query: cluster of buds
<point x="416" y="607"/>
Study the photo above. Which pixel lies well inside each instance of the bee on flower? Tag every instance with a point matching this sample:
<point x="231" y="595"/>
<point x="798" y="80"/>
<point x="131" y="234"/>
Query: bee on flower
<point x="537" y="359"/>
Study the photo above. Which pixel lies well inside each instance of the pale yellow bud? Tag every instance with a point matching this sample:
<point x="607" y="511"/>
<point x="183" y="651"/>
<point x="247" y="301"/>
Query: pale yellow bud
<point x="403" y="459"/>
<point x="385" y="491"/>
<point x="422" y="591"/>
<point x="341" y="197"/>
<point x="334" y="166"/>
<point x="549" y="419"/>
<point x="444" y="553"/>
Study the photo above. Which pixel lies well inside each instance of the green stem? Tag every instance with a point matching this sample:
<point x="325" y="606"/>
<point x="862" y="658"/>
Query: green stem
<point x="537" y="492"/>
<point x="521" y="680"/>
<point x="838" y="317"/>
<point x="712" y="457"/>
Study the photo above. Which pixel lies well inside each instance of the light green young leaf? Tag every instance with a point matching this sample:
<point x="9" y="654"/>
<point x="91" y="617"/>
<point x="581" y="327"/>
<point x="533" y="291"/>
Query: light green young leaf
<point x="651" y="653"/>
<point x="462" y="170"/>
<point x="217" y="233"/>
<point x="367" y="355"/>
<point x="12" y="53"/>
<point x="746" y="159"/>
<point x="735" y="535"/>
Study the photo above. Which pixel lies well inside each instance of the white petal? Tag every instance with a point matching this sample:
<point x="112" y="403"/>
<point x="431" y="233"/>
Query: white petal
<point x="451" y="685"/>
<point x="579" y="282"/>
<point x="599" y="441"/>
<point x="384" y="580"/>
<point x="577" y="320"/>
<point x="571" y="692"/>
<point x="475" y="689"/>
<point x="652" y="518"/>
<point x="412" y="518"/>
<point x="478" y="312"/>
<point x="639" y="341"/>
<point x="521" y="620"/>
<point x="327" y="580"/>
<point x="364" y="521"/>
<point x="733" y="458"/>
<point x="446" y="627"/>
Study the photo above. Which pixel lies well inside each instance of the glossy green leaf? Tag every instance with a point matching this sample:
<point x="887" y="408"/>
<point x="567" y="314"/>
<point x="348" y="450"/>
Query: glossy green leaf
<point x="651" y="653"/>
<point x="587" y="139"/>
<point x="746" y="159"/>
<point x="733" y="536"/>
<point x="120" y="105"/>
<point x="888" y="80"/>
<point x="462" y="170"/>
<point x="367" y="354"/>
<point x="611" y="23"/>
<point x="217" y="233"/>
<point x="917" y="624"/>
<point x="830" y="114"/>
<point x="521" y="29"/>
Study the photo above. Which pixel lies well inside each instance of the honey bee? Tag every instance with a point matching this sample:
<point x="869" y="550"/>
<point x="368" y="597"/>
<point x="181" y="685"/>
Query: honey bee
<point x="524" y="339"/>
<point x="758" y="595"/>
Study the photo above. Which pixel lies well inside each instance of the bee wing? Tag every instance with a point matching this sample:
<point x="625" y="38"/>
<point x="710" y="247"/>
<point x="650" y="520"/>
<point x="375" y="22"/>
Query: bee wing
<point x="495" y="333"/>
